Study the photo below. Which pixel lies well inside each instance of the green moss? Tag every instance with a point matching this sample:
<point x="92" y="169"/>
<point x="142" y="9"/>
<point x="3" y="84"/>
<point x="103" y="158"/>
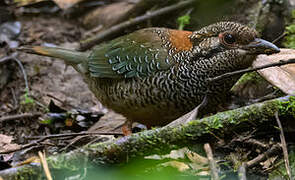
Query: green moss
<point x="28" y="173"/>
<point x="27" y="103"/>
<point x="225" y="120"/>
<point x="70" y="162"/>
<point x="289" y="40"/>
<point x="290" y="37"/>
<point x="252" y="77"/>
<point x="287" y="107"/>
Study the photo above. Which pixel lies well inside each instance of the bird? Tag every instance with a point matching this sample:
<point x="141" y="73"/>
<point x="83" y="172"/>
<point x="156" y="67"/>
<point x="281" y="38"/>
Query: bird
<point x="155" y="75"/>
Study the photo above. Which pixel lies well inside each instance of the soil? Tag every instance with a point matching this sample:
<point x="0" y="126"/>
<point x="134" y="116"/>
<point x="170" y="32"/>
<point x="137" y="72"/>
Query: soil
<point x="49" y="80"/>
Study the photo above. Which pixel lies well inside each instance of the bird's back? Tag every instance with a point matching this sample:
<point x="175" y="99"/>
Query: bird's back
<point x="140" y="78"/>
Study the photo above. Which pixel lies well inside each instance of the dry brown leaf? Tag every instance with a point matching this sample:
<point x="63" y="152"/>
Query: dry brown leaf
<point x="282" y="77"/>
<point x="33" y="159"/>
<point x="196" y="158"/>
<point x="102" y="16"/>
<point x="181" y="166"/>
<point x="198" y="163"/>
<point x="174" y="154"/>
<point x="65" y="4"/>
<point x="5" y="143"/>
<point x="269" y="162"/>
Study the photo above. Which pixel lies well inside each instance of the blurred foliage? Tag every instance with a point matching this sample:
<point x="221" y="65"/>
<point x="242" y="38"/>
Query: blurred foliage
<point x="290" y="106"/>
<point x="27" y="103"/>
<point x="210" y="11"/>
<point x="183" y="20"/>
<point x="162" y="168"/>
<point x="280" y="172"/>
<point x="141" y="169"/>
<point x="290" y="38"/>
<point x="290" y="34"/>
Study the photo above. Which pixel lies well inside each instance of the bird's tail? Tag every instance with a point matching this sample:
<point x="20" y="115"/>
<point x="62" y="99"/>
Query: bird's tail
<point x="69" y="56"/>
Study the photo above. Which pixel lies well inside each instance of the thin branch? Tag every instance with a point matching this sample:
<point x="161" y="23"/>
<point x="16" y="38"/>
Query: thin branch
<point x="279" y="37"/>
<point x="35" y="143"/>
<point x="272" y="168"/>
<point x="7" y="58"/>
<point x="196" y="111"/>
<point x="242" y="172"/>
<point x="45" y="165"/>
<point x="249" y="140"/>
<point x="43" y="138"/>
<point x="73" y="134"/>
<point x="262" y="157"/>
<point x="23" y="71"/>
<point x="14" y="98"/>
<point x="88" y="43"/>
<point x="19" y="116"/>
<point x="226" y="75"/>
<point x="284" y="146"/>
<point x="56" y="98"/>
<point x="13" y="57"/>
<point x="213" y="166"/>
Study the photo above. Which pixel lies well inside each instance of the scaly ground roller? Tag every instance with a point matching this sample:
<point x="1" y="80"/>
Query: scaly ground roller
<point x="156" y="75"/>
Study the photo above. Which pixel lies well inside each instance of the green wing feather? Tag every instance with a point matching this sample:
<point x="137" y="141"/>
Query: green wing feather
<point x="138" y="54"/>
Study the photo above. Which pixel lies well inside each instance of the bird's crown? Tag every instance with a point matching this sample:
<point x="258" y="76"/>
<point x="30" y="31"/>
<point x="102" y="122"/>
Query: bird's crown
<point x="229" y="32"/>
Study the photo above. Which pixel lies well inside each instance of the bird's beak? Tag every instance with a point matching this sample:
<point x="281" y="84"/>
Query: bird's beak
<point x="260" y="46"/>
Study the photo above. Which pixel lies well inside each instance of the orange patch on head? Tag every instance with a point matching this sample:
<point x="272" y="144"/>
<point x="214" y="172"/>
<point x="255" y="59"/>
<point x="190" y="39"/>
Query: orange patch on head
<point x="180" y="40"/>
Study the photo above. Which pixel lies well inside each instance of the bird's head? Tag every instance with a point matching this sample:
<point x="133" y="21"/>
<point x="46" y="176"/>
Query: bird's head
<point x="223" y="38"/>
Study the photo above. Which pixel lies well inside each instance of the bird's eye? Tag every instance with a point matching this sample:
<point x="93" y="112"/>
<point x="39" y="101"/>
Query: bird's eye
<point x="229" y="39"/>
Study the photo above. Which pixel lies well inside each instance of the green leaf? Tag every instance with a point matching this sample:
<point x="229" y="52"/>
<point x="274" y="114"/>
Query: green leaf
<point x="183" y="20"/>
<point x="291" y="28"/>
<point x="293" y="14"/>
<point x="46" y="121"/>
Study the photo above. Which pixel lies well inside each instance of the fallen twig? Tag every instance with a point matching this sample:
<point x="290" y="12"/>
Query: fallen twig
<point x="26" y="146"/>
<point x="242" y="172"/>
<point x="226" y="75"/>
<point x="73" y="134"/>
<point x="45" y="165"/>
<point x="279" y="37"/>
<point x="14" y="98"/>
<point x="213" y="166"/>
<point x="43" y="138"/>
<point x="284" y="146"/>
<point x="13" y="57"/>
<point x="249" y="140"/>
<point x="19" y="116"/>
<point x="86" y="44"/>
<point x="262" y="157"/>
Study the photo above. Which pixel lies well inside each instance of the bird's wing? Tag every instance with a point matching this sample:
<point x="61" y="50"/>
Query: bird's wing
<point x="138" y="54"/>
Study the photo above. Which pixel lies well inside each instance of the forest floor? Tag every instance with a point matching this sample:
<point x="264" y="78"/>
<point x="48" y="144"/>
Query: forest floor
<point x="48" y="80"/>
